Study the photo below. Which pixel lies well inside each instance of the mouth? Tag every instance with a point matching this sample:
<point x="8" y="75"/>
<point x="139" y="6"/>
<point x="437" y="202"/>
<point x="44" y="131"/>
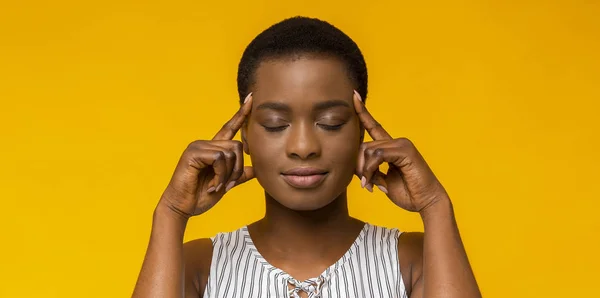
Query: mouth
<point x="304" y="178"/>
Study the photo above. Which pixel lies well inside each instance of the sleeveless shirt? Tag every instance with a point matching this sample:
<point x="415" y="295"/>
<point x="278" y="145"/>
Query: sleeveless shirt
<point x="370" y="268"/>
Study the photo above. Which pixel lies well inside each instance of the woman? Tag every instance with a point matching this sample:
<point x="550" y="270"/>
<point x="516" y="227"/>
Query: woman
<point x="302" y="86"/>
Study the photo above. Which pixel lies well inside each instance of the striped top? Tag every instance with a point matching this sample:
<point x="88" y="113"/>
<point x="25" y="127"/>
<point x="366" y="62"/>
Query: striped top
<point x="369" y="268"/>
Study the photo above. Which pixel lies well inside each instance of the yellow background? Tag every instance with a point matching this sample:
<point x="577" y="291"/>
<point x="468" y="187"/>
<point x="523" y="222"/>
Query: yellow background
<point x="99" y="99"/>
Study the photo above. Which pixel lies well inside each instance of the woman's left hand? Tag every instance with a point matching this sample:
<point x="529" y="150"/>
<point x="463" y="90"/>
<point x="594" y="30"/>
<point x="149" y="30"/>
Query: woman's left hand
<point x="409" y="182"/>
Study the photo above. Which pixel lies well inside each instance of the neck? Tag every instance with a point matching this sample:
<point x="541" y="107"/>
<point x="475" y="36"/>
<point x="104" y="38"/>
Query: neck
<point x="288" y="229"/>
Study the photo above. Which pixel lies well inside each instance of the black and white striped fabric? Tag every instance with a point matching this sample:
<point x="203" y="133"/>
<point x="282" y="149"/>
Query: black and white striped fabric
<point x="369" y="268"/>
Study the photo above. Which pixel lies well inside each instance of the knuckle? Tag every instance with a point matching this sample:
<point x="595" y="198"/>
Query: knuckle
<point x="228" y="154"/>
<point x="189" y="160"/>
<point x="363" y="146"/>
<point x="219" y="155"/>
<point x="404" y="142"/>
<point x="195" y="144"/>
<point x="231" y="125"/>
<point x="189" y="155"/>
<point x="372" y="124"/>
<point x="370" y="151"/>
<point x="224" y="129"/>
<point x="238" y="146"/>
<point x="235" y="175"/>
<point x="226" y="125"/>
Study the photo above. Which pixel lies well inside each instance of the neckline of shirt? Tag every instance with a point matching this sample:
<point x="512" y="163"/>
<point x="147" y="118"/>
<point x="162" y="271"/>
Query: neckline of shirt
<point x="279" y="273"/>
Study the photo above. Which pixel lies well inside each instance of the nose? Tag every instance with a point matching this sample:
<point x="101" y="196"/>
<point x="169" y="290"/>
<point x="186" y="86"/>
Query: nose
<point x="303" y="142"/>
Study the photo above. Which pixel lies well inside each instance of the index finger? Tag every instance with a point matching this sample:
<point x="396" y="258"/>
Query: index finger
<point x="234" y="124"/>
<point x="373" y="127"/>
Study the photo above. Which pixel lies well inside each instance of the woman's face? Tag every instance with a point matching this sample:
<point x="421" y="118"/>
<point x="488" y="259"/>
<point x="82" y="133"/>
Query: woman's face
<point x="303" y="133"/>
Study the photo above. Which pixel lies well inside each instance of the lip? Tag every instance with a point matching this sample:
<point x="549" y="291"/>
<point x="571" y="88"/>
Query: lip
<point x="304" y="178"/>
<point x="304" y="171"/>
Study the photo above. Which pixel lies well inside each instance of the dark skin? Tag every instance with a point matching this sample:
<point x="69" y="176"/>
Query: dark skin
<point x="306" y="111"/>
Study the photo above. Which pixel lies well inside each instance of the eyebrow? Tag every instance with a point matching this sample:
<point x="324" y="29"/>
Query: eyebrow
<point x="331" y="104"/>
<point x="274" y="106"/>
<point x="318" y="107"/>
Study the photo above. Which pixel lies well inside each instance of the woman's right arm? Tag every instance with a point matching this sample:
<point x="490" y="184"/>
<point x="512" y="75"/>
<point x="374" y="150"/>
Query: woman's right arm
<point x="205" y="171"/>
<point x="162" y="271"/>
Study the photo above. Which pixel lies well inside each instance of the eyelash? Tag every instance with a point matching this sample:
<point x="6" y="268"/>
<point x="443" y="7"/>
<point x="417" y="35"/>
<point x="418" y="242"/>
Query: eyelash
<point x="325" y="127"/>
<point x="275" y="129"/>
<point x="331" y="127"/>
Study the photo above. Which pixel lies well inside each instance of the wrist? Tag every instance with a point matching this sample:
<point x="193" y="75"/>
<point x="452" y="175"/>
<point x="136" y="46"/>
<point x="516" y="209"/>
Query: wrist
<point x="164" y="212"/>
<point x="439" y="208"/>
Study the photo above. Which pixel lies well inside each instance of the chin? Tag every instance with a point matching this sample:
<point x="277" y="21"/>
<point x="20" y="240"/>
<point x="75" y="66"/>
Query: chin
<point x="304" y="204"/>
<point x="305" y="200"/>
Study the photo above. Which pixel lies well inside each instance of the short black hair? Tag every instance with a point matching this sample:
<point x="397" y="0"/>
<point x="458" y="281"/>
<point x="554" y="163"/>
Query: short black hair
<point x="298" y="36"/>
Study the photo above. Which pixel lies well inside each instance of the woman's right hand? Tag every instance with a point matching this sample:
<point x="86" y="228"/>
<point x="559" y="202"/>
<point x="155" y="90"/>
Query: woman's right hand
<point x="208" y="169"/>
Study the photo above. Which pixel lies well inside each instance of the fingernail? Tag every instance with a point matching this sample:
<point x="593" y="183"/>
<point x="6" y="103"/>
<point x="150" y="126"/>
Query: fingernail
<point x="363" y="182"/>
<point x="369" y="187"/>
<point x="218" y="187"/>
<point x="229" y="186"/>
<point x="247" y="97"/>
<point x="358" y="95"/>
<point x="383" y="189"/>
<point x="210" y="189"/>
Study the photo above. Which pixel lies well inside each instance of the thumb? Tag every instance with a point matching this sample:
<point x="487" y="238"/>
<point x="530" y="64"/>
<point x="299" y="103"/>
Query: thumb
<point x="246" y="176"/>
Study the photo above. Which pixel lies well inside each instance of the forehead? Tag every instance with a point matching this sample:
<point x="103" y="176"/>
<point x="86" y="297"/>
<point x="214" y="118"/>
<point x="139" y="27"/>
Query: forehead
<point x="302" y="81"/>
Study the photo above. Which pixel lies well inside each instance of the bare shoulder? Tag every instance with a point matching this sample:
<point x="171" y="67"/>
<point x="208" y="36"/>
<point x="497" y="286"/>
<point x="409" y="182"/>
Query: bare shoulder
<point x="197" y="256"/>
<point x="410" y="256"/>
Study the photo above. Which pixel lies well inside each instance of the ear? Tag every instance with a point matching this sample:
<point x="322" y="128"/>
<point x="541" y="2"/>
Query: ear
<point x="244" y="141"/>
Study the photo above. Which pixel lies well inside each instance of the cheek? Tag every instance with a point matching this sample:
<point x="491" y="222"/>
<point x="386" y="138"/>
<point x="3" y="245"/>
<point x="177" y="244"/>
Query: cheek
<point x="343" y="150"/>
<point x="344" y="155"/>
<point x="263" y="150"/>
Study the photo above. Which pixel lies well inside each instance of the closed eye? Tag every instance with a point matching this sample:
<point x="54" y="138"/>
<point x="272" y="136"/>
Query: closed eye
<point x="274" y="128"/>
<point x="331" y="127"/>
<point x="283" y="127"/>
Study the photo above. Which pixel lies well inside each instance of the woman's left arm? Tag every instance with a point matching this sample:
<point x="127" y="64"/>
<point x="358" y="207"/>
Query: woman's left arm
<point x="411" y="185"/>
<point x="446" y="271"/>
